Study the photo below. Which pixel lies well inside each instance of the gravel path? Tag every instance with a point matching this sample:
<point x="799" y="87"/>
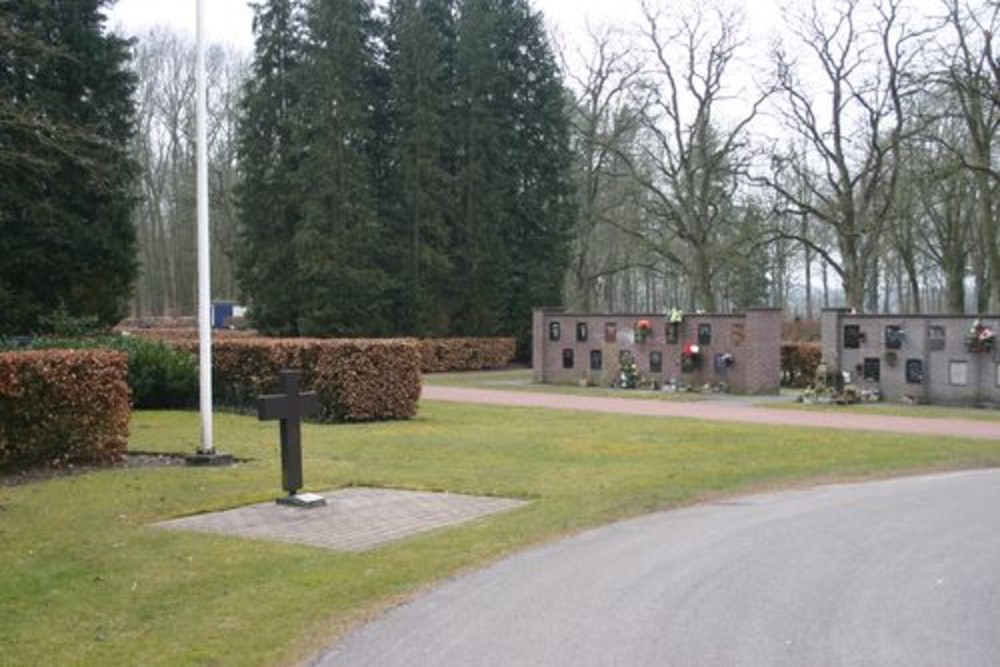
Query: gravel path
<point x="721" y="411"/>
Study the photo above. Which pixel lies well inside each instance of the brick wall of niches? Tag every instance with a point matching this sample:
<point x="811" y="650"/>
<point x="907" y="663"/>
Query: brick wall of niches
<point x="929" y="362"/>
<point x="570" y="348"/>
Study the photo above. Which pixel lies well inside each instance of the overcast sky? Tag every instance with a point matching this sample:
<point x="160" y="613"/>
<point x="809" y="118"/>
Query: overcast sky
<point x="229" y="21"/>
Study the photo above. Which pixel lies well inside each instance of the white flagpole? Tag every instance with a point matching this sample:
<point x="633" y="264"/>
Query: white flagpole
<point x="204" y="250"/>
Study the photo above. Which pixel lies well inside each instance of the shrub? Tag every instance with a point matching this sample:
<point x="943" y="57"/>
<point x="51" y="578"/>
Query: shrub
<point x="160" y="375"/>
<point x="357" y="380"/>
<point x="442" y="355"/>
<point x="63" y="406"/>
<point x="799" y="362"/>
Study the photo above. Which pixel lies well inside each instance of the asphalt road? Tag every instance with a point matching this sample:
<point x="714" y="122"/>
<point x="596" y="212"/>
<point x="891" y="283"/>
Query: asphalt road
<point x="900" y="572"/>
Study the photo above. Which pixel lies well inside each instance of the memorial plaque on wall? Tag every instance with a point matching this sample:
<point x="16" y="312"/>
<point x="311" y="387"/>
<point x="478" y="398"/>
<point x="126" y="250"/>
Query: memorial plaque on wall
<point x="935" y="338"/>
<point x="914" y="371"/>
<point x="655" y="362"/>
<point x="958" y="373"/>
<point x="737" y="334"/>
<point x="852" y="337"/>
<point x="704" y="334"/>
<point x="872" y="370"/>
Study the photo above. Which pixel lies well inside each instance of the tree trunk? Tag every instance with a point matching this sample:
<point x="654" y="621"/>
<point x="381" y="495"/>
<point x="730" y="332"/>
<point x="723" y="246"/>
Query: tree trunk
<point x="704" y="294"/>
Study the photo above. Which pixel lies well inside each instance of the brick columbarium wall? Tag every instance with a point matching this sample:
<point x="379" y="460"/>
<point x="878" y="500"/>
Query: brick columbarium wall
<point x="921" y="358"/>
<point x="571" y="348"/>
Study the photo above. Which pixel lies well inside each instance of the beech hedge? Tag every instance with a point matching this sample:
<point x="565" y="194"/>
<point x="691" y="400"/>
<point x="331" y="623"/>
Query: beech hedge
<point x="357" y="380"/>
<point x="442" y="355"/>
<point x="63" y="406"/>
<point x="799" y="362"/>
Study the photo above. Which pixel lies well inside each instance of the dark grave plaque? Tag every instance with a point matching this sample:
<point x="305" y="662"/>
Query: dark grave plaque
<point x="290" y="407"/>
<point x="656" y="362"/>
<point x="704" y="334"/>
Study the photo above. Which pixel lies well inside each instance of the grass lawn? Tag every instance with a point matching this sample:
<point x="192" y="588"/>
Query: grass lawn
<point x="896" y="410"/>
<point x="86" y="581"/>
<point x="520" y="380"/>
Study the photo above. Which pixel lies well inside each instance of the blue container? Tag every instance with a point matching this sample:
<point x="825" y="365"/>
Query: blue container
<point x="221" y="311"/>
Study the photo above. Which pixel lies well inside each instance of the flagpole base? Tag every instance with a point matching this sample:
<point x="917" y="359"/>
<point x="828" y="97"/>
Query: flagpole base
<point x="210" y="459"/>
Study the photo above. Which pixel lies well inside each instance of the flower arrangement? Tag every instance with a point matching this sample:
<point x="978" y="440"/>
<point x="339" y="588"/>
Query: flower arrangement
<point x="629" y="377"/>
<point x="980" y="338"/>
<point x="690" y="357"/>
<point x="643" y="330"/>
<point x="675" y="316"/>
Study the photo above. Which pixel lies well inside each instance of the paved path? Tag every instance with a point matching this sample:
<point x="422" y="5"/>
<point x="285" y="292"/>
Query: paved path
<point x="902" y="572"/>
<point x="721" y="411"/>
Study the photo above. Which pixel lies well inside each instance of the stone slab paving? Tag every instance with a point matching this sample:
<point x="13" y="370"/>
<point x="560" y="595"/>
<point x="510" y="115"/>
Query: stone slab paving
<point x="721" y="411"/>
<point x="354" y="519"/>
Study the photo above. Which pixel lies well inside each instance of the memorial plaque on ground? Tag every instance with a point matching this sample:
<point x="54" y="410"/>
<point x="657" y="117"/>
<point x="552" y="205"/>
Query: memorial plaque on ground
<point x="354" y="519"/>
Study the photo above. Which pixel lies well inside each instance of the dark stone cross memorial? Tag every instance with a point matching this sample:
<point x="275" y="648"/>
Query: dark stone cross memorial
<point x="290" y="407"/>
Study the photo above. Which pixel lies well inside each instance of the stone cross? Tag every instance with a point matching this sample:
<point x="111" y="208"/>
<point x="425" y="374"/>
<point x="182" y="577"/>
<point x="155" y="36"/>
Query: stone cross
<point x="290" y="407"/>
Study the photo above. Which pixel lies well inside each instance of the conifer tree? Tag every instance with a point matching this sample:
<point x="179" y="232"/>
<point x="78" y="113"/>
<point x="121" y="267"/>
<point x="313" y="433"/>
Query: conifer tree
<point x="269" y="201"/>
<point x="514" y="169"/>
<point x="421" y="71"/>
<point x="338" y="245"/>
<point x="66" y="238"/>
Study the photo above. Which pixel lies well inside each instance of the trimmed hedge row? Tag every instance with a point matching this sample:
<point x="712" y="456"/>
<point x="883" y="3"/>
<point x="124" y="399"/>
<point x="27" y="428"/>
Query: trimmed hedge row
<point x="63" y="406"/>
<point x="799" y="362"/>
<point x="442" y="355"/>
<point x="159" y="375"/>
<point x="357" y="380"/>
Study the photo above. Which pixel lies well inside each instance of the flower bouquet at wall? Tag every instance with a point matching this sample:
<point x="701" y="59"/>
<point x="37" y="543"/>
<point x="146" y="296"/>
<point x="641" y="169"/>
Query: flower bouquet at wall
<point x="643" y="330"/>
<point x="629" y="377"/>
<point x="980" y="338"/>
<point x="690" y="358"/>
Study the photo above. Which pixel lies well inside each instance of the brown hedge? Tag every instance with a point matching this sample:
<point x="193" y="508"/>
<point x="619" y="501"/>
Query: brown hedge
<point x="799" y="362"/>
<point x="63" y="406"/>
<point x="357" y="380"/>
<point x="442" y="355"/>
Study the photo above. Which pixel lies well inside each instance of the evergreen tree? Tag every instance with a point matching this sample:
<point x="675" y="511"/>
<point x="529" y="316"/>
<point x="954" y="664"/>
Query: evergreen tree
<point x="479" y="255"/>
<point x="539" y="231"/>
<point x="269" y="200"/>
<point x="514" y="170"/>
<point x="421" y="67"/>
<point x="338" y="245"/>
<point x="66" y="239"/>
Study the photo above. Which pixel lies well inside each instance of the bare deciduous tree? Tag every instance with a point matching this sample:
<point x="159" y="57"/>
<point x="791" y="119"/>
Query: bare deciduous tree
<point x="852" y="127"/>
<point x="164" y="147"/>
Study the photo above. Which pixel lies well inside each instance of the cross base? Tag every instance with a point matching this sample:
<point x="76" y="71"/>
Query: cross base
<point x="302" y="500"/>
<point x="210" y="459"/>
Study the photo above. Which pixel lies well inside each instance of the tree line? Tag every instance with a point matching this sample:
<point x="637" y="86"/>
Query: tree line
<point x="431" y="169"/>
<point x="856" y="167"/>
